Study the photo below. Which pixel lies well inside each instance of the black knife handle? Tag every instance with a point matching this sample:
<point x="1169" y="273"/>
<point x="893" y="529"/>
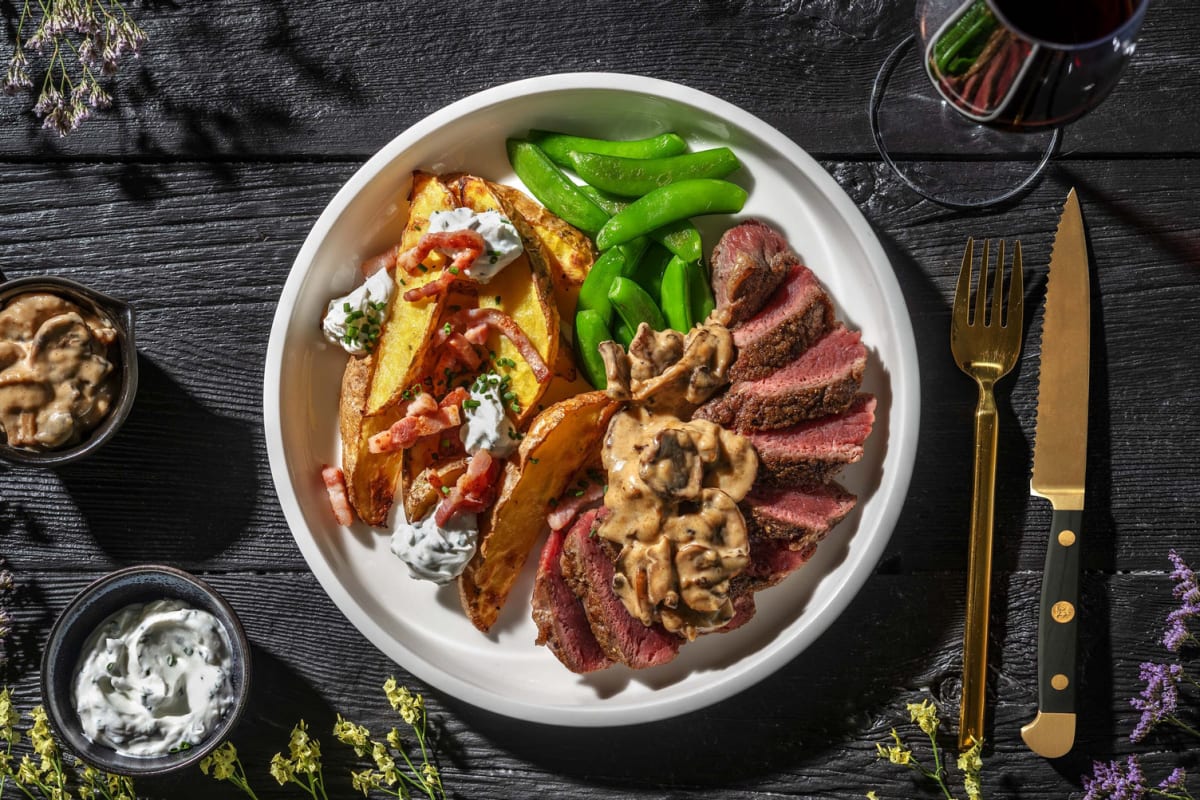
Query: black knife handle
<point x="1059" y="617"/>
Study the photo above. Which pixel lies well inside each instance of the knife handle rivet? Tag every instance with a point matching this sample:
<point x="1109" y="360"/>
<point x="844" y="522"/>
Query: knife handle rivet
<point x="1060" y="682"/>
<point x="1062" y="611"/>
<point x="1066" y="538"/>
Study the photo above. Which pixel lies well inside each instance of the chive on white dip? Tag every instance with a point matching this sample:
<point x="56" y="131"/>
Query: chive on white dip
<point x="434" y="552"/>
<point x="153" y="679"/>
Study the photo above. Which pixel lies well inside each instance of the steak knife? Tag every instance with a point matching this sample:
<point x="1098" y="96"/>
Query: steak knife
<point x="1059" y="457"/>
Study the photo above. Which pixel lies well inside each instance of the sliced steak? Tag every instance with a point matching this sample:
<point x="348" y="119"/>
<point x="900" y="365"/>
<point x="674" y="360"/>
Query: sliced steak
<point x="816" y="450"/>
<point x="796" y="316"/>
<point x="801" y="517"/>
<point x="562" y="625"/>
<point x="822" y="381"/>
<point x="587" y="566"/>
<point x="772" y="560"/>
<point x="748" y="263"/>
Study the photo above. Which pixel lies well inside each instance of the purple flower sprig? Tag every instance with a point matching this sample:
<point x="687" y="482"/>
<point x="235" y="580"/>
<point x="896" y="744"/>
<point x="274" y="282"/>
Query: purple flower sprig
<point x="1159" y="700"/>
<point x="75" y="42"/>
<point x="1187" y="591"/>
<point x="1117" y="781"/>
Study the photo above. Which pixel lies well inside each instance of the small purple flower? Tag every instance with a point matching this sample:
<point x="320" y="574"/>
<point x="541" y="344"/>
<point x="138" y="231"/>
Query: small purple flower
<point x="1112" y="781"/>
<point x="1175" y="782"/>
<point x="1186" y="590"/>
<point x="1159" y="699"/>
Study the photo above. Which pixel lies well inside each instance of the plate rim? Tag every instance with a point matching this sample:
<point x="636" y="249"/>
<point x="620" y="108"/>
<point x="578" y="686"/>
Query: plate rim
<point x="904" y="386"/>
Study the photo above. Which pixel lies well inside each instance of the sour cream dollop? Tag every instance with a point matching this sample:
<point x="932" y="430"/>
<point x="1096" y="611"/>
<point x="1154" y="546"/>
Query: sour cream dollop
<point x="435" y="552"/>
<point x="501" y="242"/>
<point x="486" y="425"/>
<point x="153" y="678"/>
<point x="348" y="320"/>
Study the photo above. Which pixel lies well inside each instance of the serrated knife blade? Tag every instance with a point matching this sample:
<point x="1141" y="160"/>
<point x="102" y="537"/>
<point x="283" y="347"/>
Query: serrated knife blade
<point x="1059" y="461"/>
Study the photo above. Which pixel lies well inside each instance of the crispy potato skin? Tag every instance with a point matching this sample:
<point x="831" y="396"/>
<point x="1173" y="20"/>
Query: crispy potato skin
<point x="562" y="439"/>
<point x="569" y="253"/>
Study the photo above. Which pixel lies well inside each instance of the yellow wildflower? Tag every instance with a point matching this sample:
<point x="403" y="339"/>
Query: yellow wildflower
<point x="925" y="715"/>
<point x="8" y="718"/>
<point x="394" y="740"/>
<point x="404" y="702"/>
<point x="364" y="781"/>
<point x="305" y="751"/>
<point x="872" y="796"/>
<point x="431" y="774"/>
<point x="897" y="753"/>
<point x="282" y="770"/>
<point x="27" y="772"/>
<point x="41" y="737"/>
<point x="970" y="763"/>
<point x="357" y="736"/>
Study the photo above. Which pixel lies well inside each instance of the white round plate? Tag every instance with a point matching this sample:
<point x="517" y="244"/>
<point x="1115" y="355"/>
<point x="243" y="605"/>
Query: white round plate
<point x="421" y="626"/>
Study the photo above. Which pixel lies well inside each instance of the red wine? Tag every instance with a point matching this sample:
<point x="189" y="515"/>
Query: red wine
<point x="1028" y="64"/>
<point x="1068" y="22"/>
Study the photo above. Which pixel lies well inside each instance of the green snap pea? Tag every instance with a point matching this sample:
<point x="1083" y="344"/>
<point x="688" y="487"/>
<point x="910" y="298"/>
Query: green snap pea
<point x="634" y="305"/>
<point x="623" y="333"/>
<point x="701" y="293"/>
<point x="671" y="203"/>
<point x="648" y="271"/>
<point x="560" y="146"/>
<point x="633" y="252"/>
<point x="634" y="177"/>
<point x="593" y="294"/>
<point x="681" y="238"/>
<point x="554" y="189"/>
<point x="676" y="296"/>
<point x="590" y="330"/>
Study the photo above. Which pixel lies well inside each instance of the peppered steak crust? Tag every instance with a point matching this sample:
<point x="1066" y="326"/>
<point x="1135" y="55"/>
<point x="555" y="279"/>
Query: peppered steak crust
<point x="814" y="451"/>
<point x="797" y="315"/>
<point x="562" y="625"/>
<point x="587" y="567"/>
<point x="748" y="263"/>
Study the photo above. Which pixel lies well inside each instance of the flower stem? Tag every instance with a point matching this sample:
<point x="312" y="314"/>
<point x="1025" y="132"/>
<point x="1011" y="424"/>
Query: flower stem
<point x="1183" y="725"/>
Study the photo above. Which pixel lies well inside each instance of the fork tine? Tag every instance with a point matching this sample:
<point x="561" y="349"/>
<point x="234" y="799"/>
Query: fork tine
<point x="962" y="294"/>
<point x="1016" y="290"/>
<point x="998" y="287"/>
<point x="980" y="307"/>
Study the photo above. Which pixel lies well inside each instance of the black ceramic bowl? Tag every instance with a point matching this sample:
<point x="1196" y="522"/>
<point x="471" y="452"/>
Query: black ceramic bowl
<point x="125" y="361"/>
<point x="81" y="618"/>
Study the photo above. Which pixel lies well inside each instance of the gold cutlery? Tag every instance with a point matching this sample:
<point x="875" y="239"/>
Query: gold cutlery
<point x="985" y="342"/>
<point x="1059" y="460"/>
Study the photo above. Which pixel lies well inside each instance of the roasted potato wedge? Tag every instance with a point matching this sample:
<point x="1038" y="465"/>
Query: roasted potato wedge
<point x="421" y="494"/>
<point x="407" y="330"/>
<point x="370" y="477"/>
<point x="561" y="440"/>
<point x="570" y="251"/>
<point x="523" y="291"/>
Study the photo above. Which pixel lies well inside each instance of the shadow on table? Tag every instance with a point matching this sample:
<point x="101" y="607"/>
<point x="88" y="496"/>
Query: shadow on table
<point x="140" y="494"/>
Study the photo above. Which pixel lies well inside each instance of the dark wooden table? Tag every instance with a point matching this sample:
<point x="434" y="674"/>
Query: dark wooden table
<point x="191" y="198"/>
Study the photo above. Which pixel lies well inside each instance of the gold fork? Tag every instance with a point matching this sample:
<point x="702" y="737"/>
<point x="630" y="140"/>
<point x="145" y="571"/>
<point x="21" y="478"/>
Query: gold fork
<point x="985" y="348"/>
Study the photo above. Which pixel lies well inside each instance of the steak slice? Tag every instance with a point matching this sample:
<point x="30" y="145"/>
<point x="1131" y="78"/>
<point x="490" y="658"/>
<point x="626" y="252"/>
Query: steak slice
<point x="772" y="560"/>
<point x="816" y="450"/>
<point x="801" y="517"/>
<point x="562" y="625"/>
<point x="798" y="313"/>
<point x="822" y="381"/>
<point x="748" y="263"/>
<point x="587" y="566"/>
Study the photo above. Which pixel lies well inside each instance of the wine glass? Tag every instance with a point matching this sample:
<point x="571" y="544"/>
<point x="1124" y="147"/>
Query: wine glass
<point x="991" y="88"/>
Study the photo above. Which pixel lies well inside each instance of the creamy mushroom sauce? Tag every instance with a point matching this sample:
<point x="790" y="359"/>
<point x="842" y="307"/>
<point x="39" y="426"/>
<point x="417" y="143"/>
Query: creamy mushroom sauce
<point x="56" y="380"/>
<point x="674" y="485"/>
<point x="153" y="678"/>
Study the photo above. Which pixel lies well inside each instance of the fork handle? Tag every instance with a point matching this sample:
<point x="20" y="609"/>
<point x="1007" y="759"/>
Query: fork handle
<point x="979" y="575"/>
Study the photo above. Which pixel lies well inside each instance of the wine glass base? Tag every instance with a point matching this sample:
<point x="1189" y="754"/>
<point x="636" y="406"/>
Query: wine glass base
<point x="940" y="154"/>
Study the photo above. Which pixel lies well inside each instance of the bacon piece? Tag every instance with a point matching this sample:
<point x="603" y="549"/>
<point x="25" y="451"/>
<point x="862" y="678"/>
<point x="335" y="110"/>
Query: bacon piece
<point x="463" y="350"/>
<point x="407" y="431"/>
<point x="477" y="334"/>
<point x="474" y="491"/>
<point x="463" y="247"/>
<point x="438" y="285"/>
<point x="570" y="506"/>
<point x="385" y="260"/>
<point x="335" y="484"/>
<point x="423" y="403"/>
<point x="455" y="398"/>
<point x="495" y="318"/>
